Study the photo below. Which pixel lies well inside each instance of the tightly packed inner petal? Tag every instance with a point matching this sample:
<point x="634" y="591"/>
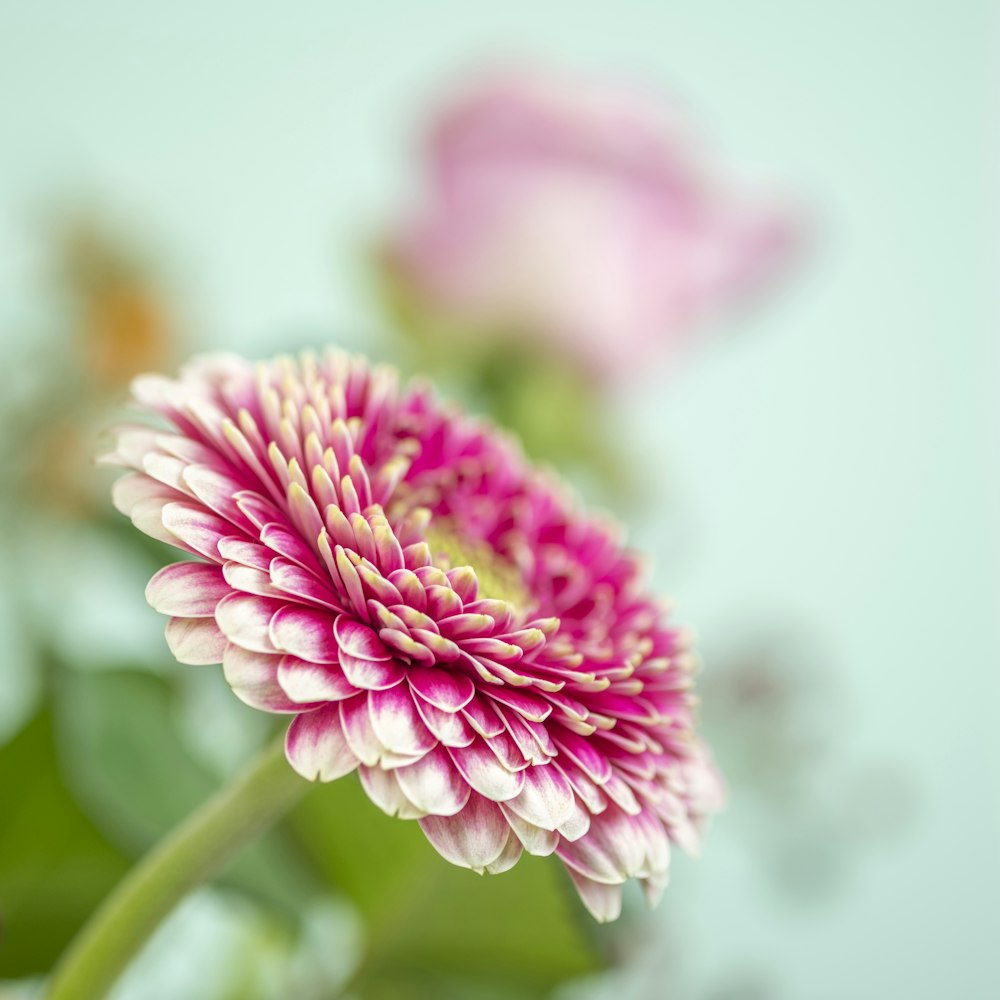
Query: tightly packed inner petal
<point x="433" y="612"/>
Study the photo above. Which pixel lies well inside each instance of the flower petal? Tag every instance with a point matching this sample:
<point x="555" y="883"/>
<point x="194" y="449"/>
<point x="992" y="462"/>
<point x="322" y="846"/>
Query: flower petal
<point x="199" y="529"/>
<point x="433" y="784"/>
<point x="529" y="706"/>
<point x="137" y="487"/>
<point x="303" y="681"/>
<point x="147" y="516"/>
<point x="248" y="580"/>
<point x="448" y="690"/>
<point x="316" y="747"/>
<point x="217" y="491"/>
<point x="583" y="752"/>
<point x="371" y="675"/>
<point x="603" y="901"/>
<point x="397" y="724"/>
<point x="383" y="789"/>
<point x="195" y="640"/>
<point x="546" y="798"/>
<point x="473" y="838"/>
<point x="359" y="641"/>
<point x="509" y="856"/>
<point x="241" y="550"/>
<point x="358" y="731"/>
<point x="479" y="766"/>
<point x="481" y="716"/>
<point x="254" y="679"/>
<point x="578" y="823"/>
<point x="612" y="850"/>
<point x="304" y="632"/>
<point x="187" y="590"/>
<point x="536" y="841"/>
<point x="244" y="619"/>
<point x="450" y="728"/>
<point x="292" y="579"/>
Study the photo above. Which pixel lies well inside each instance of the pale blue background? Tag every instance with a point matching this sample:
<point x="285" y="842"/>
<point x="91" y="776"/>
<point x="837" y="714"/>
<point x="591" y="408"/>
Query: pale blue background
<point x="836" y="457"/>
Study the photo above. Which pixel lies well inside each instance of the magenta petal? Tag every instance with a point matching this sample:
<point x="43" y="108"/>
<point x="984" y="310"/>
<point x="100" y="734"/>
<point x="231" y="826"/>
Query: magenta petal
<point x="656" y="841"/>
<point x="462" y="626"/>
<point x="479" y="712"/>
<point x="305" y="633"/>
<point x="195" y="640"/>
<point x="248" y="580"/>
<point x="583" y="752"/>
<point x="433" y="784"/>
<point x="258" y="509"/>
<point x="481" y="769"/>
<point x="245" y="619"/>
<point x="137" y="487"/>
<point x="303" y="681"/>
<point x="358" y="731"/>
<point x="546" y="798"/>
<point x="611" y="851"/>
<point x="254" y="679"/>
<point x="536" y="841"/>
<point x="132" y="443"/>
<point x="147" y="516"/>
<point x="509" y="856"/>
<point x="359" y="641"/>
<point x="445" y="689"/>
<point x="282" y="541"/>
<point x="618" y="790"/>
<point x="528" y="743"/>
<point x="166" y="469"/>
<point x="298" y="582"/>
<point x="590" y="793"/>
<point x="372" y="675"/>
<point x="217" y="492"/>
<point x="652" y="889"/>
<point x="578" y="824"/>
<point x="603" y="901"/>
<point x="241" y="550"/>
<point x="197" y="528"/>
<point x="450" y="728"/>
<point x="384" y="790"/>
<point x="531" y="707"/>
<point x="473" y="838"/>
<point x="397" y="724"/>
<point x="507" y="752"/>
<point x="187" y="590"/>
<point x="315" y="745"/>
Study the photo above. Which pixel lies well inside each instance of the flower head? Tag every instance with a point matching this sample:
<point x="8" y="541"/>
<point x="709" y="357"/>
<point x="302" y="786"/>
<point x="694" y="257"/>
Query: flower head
<point x="430" y="610"/>
<point x="582" y="215"/>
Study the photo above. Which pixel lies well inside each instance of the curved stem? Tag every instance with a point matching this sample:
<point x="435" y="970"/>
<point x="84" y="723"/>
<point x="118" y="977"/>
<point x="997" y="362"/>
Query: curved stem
<point x="195" y="851"/>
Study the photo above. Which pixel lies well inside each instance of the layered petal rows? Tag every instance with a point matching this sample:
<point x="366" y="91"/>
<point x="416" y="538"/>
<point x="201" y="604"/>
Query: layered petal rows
<point x="430" y="610"/>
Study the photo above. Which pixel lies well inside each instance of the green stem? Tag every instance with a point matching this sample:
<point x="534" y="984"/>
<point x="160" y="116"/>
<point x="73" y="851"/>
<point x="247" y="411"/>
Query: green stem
<point x="198" y="849"/>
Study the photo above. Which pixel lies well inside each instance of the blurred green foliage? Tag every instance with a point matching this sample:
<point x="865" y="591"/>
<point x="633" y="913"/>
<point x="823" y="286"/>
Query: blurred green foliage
<point x="103" y="772"/>
<point x="55" y="865"/>
<point x="127" y="763"/>
<point x="434" y="929"/>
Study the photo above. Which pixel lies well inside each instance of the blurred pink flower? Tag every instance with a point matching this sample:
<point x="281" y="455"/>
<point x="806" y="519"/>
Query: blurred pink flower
<point x="583" y="213"/>
<point x="430" y="609"/>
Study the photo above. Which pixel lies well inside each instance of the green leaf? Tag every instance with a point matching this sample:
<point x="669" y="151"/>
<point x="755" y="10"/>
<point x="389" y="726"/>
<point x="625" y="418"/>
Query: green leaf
<point x="129" y="767"/>
<point x="430" y="924"/>
<point x="55" y="865"/>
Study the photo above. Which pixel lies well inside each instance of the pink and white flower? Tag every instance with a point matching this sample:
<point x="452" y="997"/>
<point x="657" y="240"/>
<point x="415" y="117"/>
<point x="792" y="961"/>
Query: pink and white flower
<point x="429" y="609"/>
<point x="582" y="215"/>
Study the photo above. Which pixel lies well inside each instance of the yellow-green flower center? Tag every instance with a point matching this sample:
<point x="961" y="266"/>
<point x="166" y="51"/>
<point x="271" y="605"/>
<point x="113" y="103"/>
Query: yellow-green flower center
<point x="499" y="579"/>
